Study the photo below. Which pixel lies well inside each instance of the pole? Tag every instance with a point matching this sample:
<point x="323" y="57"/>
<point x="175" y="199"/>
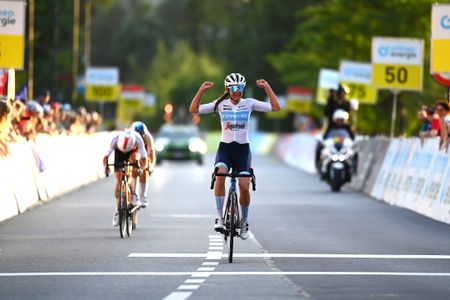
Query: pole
<point x="87" y="32"/>
<point x="30" y="50"/>
<point x="76" y="46"/>
<point x="394" y="111"/>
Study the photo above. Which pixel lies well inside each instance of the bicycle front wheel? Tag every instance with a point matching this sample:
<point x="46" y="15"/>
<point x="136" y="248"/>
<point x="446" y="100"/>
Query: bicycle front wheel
<point x="122" y="210"/>
<point x="233" y="225"/>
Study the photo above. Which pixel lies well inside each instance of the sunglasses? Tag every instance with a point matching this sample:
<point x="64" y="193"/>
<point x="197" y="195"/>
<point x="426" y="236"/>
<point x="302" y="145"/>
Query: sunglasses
<point x="234" y="88"/>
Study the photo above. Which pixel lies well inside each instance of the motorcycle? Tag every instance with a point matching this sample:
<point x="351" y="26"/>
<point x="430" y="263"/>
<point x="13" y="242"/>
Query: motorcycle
<point x="337" y="159"/>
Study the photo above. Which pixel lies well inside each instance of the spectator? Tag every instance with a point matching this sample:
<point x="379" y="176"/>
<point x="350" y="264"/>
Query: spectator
<point x="5" y="125"/>
<point x="442" y="109"/>
<point x="423" y="116"/>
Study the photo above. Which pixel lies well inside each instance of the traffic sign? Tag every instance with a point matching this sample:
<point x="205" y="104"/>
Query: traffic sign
<point x="397" y="63"/>
<point x="102" y="84"/>
<point x="442" y="78"/>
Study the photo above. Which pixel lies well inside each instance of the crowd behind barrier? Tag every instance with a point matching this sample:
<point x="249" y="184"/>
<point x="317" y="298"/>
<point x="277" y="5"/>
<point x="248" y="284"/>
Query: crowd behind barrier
<point x="43" y="169"/>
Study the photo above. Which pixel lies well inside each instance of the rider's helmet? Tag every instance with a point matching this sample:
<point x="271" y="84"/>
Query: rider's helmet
<point x="139" y="127"/>
<point x="126" y="141"/>
<point x="234" y="79"/>
<point x="340" y="114"/>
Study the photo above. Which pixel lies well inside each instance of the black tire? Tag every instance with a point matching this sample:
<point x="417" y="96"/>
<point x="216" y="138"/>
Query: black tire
<point x="233" y="225"/>
<point x="129" y="226"/>
<point x="122" y="210"/>
<point x="335" y="186"/>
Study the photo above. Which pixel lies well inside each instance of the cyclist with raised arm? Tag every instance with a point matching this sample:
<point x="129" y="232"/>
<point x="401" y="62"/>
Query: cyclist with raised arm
<point x="127" y="146"/>
<point x="146" y="136"/>
<point x="234" y="147"/>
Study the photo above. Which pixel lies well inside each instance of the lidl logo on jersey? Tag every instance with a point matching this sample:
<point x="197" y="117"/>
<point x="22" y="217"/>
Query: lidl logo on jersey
<point x="234" y="127"/>
<point x="235" y="116"/>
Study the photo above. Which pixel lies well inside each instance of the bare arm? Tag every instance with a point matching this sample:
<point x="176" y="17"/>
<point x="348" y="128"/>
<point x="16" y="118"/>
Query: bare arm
<point x="193" y="108"/>
<point x="272" y="97"/>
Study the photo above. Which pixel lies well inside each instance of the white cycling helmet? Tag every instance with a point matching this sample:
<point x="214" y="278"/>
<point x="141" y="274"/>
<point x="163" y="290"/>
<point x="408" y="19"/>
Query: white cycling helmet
<point x="126" y="141"/>
<point x="340" y="114"/>
<point x="234" y="79"/>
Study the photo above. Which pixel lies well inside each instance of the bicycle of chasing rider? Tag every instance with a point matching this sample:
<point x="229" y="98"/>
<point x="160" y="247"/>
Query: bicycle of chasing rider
<point x="232" y="219"/>
<point x="127" y="212"/>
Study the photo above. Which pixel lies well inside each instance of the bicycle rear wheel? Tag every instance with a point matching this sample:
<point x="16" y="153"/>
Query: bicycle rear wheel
<point x="233" y="225"/>
<point x="122" y="210"/>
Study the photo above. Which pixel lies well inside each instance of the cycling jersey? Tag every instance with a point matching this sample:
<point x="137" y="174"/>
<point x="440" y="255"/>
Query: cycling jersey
<point x="139" y="146"/>
<point x="235" y="118"/>
<point x="148" y="139"/>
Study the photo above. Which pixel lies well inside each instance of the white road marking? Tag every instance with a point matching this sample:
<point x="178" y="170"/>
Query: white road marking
<point x="178" y="296"/>
<point x="216" y="244"/>
<point x="215" y="248"/>
<point x="210" y="263"/>
<point x="219" y="255"/>
<point x="201" y="274"/>
<point x="208" y="269"/>
<point x="168" y="255"/>
<point x="208" y="274"/>
<point x="188" y="287"/>
<point x="195" y="280"/>
<point x="213" y="255"/>
<point x="215" y="236"/>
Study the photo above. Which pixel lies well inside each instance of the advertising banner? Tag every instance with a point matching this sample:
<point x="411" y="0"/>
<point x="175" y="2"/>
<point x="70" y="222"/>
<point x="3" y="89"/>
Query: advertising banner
<point x="102" y="84"/>
<point x="12" y="32"/>
<point x="358" y="78"/>
<point x="328" y="79"/>
<point x="397" y="63"/>
<point x="440" y="38"/>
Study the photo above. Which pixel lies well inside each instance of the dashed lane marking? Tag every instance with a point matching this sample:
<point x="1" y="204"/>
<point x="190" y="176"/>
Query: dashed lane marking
<point x="178" y="296"/>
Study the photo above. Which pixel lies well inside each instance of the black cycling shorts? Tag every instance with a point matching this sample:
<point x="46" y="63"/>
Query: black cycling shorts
<point x="120" y="158"/>
<point x="238" y="155"/>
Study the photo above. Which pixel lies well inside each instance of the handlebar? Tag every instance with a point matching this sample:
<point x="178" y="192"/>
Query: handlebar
<point x="122" y="166"/>
<point x="233" y="175"/>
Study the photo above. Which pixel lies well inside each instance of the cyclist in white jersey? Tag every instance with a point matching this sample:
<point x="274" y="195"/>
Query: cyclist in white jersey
<point x="127" y="146"/>
<point x="147" y="137"/>
<point x="234" y="145"/>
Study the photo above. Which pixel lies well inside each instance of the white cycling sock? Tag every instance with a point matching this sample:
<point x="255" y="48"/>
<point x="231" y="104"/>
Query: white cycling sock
<point x="143" y="190"/>
<point x="244" y="210"/>
<point x="219" y="206"/>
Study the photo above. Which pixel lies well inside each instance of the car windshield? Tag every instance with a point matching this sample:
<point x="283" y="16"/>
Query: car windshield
<point x="178" y="132"/>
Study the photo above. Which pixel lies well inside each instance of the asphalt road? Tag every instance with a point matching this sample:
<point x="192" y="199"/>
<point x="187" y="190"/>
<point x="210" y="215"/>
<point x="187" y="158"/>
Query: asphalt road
<point x="306" y="243"/>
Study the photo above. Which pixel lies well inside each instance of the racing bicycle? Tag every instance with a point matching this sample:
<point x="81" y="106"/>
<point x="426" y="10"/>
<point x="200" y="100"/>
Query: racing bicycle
<point x="232" y="219"/>
<point x="127" y="212"/>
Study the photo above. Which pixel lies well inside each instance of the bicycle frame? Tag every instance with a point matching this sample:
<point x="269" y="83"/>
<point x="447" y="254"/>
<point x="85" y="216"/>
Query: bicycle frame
<point x="231" y="216"/>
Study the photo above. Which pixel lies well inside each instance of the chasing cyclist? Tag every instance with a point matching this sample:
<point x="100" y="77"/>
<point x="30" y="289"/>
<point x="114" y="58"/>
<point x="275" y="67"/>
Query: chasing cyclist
<point x="127" y="146"/>
<point x="146" y="136"/>
<point x="234" y="147"/>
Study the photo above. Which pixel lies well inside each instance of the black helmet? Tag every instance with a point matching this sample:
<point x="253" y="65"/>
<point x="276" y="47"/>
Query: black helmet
<point x="342" y="89"/>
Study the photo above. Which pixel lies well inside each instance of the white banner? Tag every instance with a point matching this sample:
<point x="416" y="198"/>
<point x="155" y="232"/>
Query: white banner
<point x="102" y="76"/>
<point x="400" y="51"/>
<point x="440" y="21"/>
<point x="12" y="17"/>
<point x="355" y="72"/>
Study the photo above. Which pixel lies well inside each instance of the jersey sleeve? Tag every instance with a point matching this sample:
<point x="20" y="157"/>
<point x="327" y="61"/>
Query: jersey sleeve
<point x="112" y="146"/>
<point x="206" y="108"/>
<point x="260" y="105"/>
<point x="140" y="146"/>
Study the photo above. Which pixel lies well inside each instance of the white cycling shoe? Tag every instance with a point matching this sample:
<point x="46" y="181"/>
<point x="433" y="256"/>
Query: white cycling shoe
<point x="144" y="202"/>
<point x="218" y="225"/>
<point x="115" y="220"/>
<point x="244" y="231"/>
<point x="135" y="200"/>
